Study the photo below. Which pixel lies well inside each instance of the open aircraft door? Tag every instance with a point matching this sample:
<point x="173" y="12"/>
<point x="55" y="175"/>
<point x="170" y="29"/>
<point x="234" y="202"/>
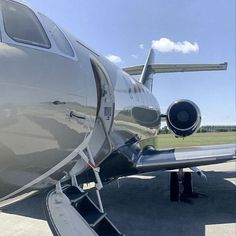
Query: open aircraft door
<point x="98" y="151"/>
<point x="105" y="113"/>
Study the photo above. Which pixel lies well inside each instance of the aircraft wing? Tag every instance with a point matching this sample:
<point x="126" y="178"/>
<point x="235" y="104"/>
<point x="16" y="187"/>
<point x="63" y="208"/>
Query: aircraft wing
<point x="152" y="160"/>
<point x="169" y="68"/>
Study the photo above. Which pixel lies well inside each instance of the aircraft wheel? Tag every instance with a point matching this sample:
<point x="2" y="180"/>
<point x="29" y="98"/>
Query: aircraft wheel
<point x="174" y="187"/>
<point x="187" y="183"/>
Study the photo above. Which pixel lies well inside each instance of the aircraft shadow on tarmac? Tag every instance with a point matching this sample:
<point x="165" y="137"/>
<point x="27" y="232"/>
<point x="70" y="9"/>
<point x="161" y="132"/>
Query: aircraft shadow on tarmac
<point x="142" y="207"/>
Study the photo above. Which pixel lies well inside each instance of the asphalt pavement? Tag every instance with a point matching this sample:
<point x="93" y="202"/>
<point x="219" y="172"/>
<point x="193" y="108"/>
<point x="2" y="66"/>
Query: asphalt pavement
<point x="140" y="206"/>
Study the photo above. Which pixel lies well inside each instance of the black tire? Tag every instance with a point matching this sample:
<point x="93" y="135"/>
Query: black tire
<point x="187" y="183"/>
<point x="174" y="187"/>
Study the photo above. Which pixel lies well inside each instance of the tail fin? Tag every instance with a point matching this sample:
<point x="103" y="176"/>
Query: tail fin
<point x="147" y="73"/>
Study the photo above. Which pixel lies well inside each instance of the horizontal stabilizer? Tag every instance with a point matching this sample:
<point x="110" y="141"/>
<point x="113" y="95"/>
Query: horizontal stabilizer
<point x="171" y="68"/>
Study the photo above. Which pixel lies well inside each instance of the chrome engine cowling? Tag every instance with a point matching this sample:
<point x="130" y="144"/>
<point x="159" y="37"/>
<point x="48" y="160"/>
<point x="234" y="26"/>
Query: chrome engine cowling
<point x="183" y="118"/>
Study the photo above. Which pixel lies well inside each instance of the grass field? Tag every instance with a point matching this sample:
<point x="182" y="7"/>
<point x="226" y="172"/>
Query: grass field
<point x="199" y="139"/>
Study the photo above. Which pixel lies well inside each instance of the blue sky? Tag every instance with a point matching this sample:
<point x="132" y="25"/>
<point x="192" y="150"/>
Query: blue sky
<point x="126" y="30"/>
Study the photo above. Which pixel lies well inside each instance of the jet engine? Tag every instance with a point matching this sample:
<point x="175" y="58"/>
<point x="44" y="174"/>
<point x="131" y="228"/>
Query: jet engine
<point x="183" y="118"/>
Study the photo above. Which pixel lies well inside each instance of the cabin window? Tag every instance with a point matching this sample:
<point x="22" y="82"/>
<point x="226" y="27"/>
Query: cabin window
<point x="58" y="36"/>
<point x="22" y="25"/>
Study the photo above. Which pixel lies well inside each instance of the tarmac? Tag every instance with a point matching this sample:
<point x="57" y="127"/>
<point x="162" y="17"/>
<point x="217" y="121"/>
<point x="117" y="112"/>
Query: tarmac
<point x="140" y="206"/>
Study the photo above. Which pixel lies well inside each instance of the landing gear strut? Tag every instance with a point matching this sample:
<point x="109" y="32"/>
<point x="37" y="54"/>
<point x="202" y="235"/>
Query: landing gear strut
<point x="184" y="180"/>
<point x="174" y="187"/>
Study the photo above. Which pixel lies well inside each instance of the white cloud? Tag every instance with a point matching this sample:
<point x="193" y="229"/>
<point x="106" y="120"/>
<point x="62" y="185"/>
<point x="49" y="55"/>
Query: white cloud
<point x="166" y="45"/>
<point x="141" y="46"/>
<point x="114" y="58"/>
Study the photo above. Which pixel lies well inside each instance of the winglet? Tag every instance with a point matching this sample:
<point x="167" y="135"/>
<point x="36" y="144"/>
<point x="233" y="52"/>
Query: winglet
<point x="147" y="73"/>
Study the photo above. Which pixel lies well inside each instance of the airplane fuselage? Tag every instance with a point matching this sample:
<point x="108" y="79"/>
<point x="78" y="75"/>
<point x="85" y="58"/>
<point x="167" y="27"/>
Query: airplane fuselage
<point x="51" y="100"/>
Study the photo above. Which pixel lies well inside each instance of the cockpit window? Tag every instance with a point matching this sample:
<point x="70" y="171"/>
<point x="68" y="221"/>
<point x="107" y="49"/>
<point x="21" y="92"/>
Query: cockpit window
<point x="58" y="36"/>
<point x="22" y="25"/>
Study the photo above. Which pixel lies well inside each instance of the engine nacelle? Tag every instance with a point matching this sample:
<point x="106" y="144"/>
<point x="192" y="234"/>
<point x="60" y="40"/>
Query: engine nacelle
<point x="183" y="118"/>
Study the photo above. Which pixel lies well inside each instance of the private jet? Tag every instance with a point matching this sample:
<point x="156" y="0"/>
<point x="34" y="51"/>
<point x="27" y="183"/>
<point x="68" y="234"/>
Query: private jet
<point x="69" y="116"/>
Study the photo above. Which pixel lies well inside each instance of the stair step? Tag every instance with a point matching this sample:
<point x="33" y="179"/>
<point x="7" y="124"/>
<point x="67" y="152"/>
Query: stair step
<point x="105" y="228"/>
<point x="73" y="193"/>
<point x="89" y="211"/>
